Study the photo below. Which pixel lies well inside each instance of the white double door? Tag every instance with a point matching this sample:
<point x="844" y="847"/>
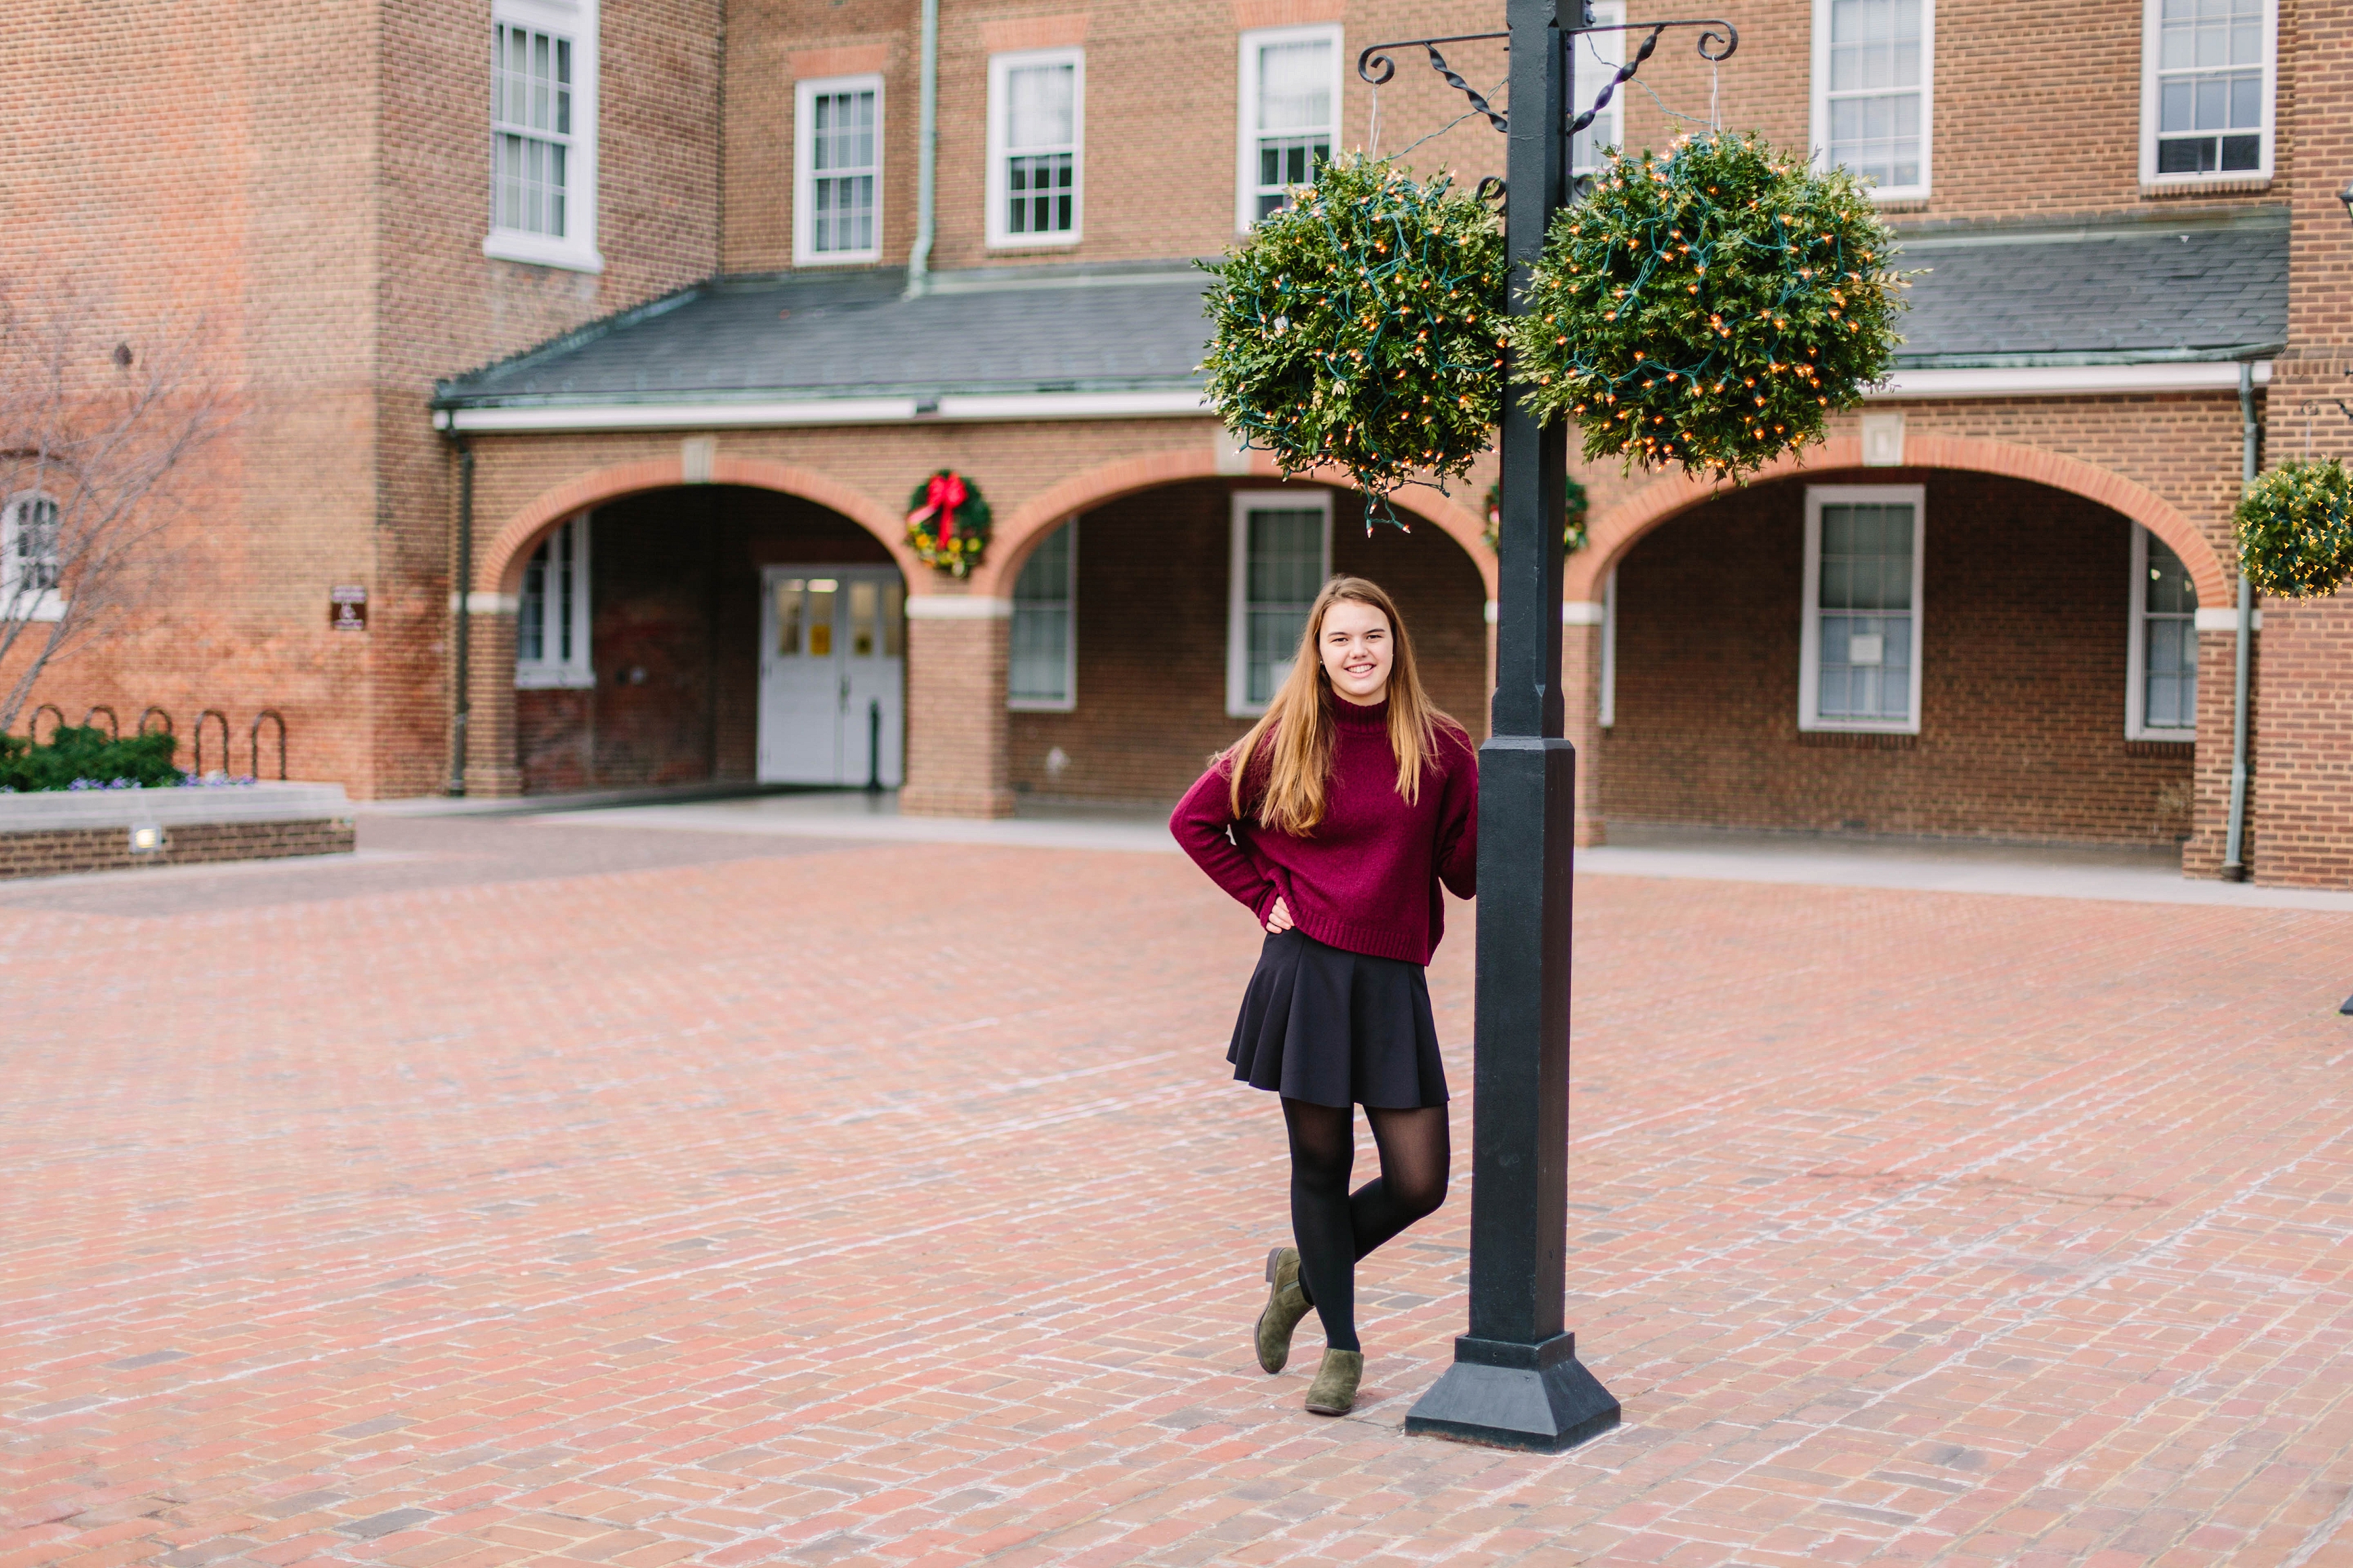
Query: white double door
<point x="832" y="675"/>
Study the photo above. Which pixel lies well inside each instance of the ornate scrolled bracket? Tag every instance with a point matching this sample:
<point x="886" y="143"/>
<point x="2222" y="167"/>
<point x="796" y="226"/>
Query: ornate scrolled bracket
<point x="1376" y="66"/>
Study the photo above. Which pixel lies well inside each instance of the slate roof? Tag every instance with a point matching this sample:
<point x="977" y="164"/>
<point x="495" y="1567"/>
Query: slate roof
<point x="2124" y="293"/>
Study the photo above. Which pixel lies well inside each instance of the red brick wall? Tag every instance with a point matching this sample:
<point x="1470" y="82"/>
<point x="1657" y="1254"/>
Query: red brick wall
<point x="1151" y="628"/>
<point x="674" y="638"/>
<point x="2023" y="641"/>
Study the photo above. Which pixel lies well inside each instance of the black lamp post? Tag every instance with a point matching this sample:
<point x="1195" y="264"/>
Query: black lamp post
<point x="1517" y="1381"/>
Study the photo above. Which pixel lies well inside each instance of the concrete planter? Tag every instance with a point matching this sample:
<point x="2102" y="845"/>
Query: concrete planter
<point x="52" y="833"/>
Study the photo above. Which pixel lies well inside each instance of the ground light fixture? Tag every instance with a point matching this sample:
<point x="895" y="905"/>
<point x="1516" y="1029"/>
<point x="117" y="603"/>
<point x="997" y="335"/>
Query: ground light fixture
<point x="1516" y="1381"/>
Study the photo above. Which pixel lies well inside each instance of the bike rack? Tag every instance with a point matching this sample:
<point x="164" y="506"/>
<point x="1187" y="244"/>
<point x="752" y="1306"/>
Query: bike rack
<point x="211" y="713"/>
<point x="33" y="725"/>
<point x="254" y="735"/>
<point x="153" y="713"/>
<point x="113" y="724"/>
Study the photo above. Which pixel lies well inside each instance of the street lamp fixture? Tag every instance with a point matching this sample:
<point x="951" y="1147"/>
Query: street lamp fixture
<point x="2346" y="195"/>
<point x="1516" y="1381"/>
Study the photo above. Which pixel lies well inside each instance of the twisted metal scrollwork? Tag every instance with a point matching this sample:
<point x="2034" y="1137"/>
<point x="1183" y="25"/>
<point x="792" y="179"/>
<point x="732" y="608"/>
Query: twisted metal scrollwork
<point x="1375" y="65"/>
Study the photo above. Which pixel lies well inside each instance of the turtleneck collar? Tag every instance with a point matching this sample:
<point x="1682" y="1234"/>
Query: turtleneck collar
<point x="1351" y="715"/>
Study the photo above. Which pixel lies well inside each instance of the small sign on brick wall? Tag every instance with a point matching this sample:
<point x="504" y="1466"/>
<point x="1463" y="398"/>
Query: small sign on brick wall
<point x="347" y="609"/>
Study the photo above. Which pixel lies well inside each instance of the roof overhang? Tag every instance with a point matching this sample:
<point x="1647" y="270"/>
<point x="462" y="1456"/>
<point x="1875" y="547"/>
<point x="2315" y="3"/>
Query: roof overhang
<point x="2032" y="381"/>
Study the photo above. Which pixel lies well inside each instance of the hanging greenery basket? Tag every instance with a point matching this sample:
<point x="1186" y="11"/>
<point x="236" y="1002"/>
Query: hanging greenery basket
<point x="1574" y="506"/>
<point x="2295" y="530"/>
<point x="1710" y="308"/>
<point x="1362" y="328"/>
<point x="947" y="523"/>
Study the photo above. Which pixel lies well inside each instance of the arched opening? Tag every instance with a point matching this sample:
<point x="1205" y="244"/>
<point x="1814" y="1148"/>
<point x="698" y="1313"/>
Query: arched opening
<point x="705" y="633"/>
<point x="1903" y="651"/>
<point x="1147" y="629"/>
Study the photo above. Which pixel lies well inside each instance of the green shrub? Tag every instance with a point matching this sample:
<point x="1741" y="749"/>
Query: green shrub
<point x="88" y="757"/>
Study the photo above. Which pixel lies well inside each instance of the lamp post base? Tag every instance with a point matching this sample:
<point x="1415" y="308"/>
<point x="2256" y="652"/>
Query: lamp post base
<point x="1537" y="1397"/>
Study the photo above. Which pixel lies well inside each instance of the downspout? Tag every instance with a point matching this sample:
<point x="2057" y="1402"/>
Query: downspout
<point x="2234" y="859"/>
<point x="461" y="603"/>
<point x="919" y="259"/>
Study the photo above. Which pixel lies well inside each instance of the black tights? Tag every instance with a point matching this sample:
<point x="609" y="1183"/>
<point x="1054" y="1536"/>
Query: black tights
<point x="1334" y="1228"/>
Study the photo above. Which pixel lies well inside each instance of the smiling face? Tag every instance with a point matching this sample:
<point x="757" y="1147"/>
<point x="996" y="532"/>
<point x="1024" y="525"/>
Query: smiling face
<point x="1357" y="648"/>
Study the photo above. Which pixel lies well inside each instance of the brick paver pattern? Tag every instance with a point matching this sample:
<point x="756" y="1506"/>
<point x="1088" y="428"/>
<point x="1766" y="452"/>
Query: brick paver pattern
<point x="892" y="1206"/>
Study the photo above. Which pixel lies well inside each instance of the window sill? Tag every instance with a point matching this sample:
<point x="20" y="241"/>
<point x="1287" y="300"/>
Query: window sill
<point x="838" y="258"/>
<point x="2205" y="185"/>
<point x="1026" y="242"/>
<point x="2159" y="743"/>
<point x="1041" y="705"/>
<point x="535" y="250"/>
<point x="1861" y="739"/>
<point x="47" y="605"/>
<point x="544" y="677"/>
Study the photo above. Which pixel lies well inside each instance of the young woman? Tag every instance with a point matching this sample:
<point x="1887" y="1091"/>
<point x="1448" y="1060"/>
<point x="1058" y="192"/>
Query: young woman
<point x="1335" y="819"/>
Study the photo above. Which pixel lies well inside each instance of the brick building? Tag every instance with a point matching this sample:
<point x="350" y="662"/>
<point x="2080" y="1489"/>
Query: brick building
<point x="631" y="331"/>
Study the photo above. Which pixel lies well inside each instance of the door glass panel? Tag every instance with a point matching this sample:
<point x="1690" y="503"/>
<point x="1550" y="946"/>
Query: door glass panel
<point x="820" y="616"/>
<point x="788" y="616"/>
<point x="893" y="615"/>
<point x="862" y="598"/>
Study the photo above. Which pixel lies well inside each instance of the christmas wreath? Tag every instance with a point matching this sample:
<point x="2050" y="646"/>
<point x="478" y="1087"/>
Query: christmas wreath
<point x="1710" y="308"/>
<point x="2295" y="530"/>
<point x="947" y="523"/>
<point x="1574" y="505"/>
<point x="1362" y="328"/>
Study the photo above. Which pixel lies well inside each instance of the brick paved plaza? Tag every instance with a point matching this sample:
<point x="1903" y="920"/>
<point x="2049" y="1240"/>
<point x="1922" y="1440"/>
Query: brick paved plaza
<point x="550" y="1193"/>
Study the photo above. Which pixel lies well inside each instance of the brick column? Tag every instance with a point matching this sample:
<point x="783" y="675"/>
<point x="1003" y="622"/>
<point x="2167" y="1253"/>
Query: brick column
<point x="1580" y="689"/>
<point x="958" y="744"/>
<point x="2210" y="809"/>
<point x="492" y="769"/>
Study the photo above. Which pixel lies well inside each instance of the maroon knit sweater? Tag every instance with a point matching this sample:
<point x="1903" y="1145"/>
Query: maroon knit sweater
<point x="1367" y="879"/>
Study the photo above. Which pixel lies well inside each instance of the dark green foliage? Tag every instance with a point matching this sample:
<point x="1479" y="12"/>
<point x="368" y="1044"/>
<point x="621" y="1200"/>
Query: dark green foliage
<point x="1574" y="506"/>
<point x="73" y="755"/>
<point x="2295" y="530"/>
<point x="1710" y="308"/>
<point x="1362" y="329"/>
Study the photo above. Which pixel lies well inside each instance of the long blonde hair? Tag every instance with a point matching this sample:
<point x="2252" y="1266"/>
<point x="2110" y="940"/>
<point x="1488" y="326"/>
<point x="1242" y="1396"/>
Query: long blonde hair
<point x="1286" y="759"/>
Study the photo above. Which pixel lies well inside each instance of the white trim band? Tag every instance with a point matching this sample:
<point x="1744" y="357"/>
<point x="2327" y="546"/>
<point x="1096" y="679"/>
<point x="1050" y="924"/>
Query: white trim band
<point x="2064" y="380"/>
<point x="993" y="406"/>
<point x="479" y="604"/>
<point x="2223" y="619"/>
<point x="1573" y="613"/>
<point x="958" y="607"/>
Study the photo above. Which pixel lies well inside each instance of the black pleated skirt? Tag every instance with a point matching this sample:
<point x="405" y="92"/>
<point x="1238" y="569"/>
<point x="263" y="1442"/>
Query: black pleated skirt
<point x="1337" y="1028"/>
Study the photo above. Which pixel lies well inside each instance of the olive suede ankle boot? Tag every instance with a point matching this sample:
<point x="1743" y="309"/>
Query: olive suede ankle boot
<point x="1334" y="1392"/>
<point x="1286" y="1303"/>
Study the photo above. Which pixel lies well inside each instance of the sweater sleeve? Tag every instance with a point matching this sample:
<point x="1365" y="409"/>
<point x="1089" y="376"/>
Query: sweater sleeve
<point x="1458" y="819"/>
<point x="1198" y="824"/>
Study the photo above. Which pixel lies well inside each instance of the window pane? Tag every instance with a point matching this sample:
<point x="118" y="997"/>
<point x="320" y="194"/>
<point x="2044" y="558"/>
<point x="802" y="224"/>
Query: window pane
<point x="1295" y="85"/>
<point x="788" y="616"/>
<point x="1865" y="653"/>
<point x="2169" y="590"/>
<point x="531" y="611"/>
<point x="1283" y="571"/>
<point x="1039" y="101"/>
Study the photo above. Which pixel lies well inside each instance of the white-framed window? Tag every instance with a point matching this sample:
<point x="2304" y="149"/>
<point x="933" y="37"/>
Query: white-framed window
<point x="1859" y="647"/>
<point x="1875" y="73"/>
<point x="1610" y="648"/>
<point x="31" y="559"/>
<point x="2208" y="73"/>
<point x="552" y="611"/>
<point x="543" y="133"/>
<point x="2161" y="660"/>
<point x="837" y="170"/>
<point x="1282" y="555"/>
<point x="1290" y="97"/>
<point x="1598" y="55"/>
<point x="1043" y="671"/>
<point x="1037" y="147"/>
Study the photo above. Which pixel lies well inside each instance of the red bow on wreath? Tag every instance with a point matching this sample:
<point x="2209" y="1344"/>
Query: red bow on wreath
<point x="947" y="493"/>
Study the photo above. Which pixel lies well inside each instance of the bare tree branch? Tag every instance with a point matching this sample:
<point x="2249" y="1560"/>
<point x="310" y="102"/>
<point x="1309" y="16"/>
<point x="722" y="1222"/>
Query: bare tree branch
<point x="92" y="436"/>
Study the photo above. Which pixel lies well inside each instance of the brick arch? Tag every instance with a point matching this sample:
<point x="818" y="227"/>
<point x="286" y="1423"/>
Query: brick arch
<point x="1615" y="531"/>
<point x="1017" y="535"/>
<point x="498" y="568"/>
